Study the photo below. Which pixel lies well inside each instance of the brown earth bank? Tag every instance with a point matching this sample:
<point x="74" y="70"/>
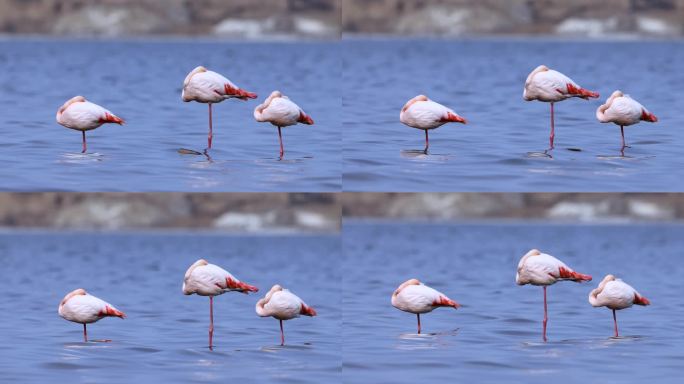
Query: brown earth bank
<point x="583" y="207"/>
<point x="549" y="17"/>
<point x="231" y="18"/>
<point x="239" y="212"/>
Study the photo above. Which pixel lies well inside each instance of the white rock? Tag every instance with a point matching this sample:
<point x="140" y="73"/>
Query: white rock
<point x="579" y="210"/>
<point x="250" y="222"/>
<point x="587" y="26"/>
<point x="313" y="27"/>
<point x="249" y="28"/>
<point x="312" y="220"/>
<point x="648" y="210"/>
<point x="656" y="26"/>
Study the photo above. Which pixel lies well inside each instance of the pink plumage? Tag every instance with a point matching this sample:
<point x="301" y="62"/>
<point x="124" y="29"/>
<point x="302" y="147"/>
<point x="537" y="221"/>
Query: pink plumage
<point x="206" y="279"/>
<point x="282" y="112"/>
<point x="205" y="86"/>
<point x="415" y="297"/>
<point x="80" y="307"/>
<point x="550" y="86"/>
<point x="622" y="110"/>
<point x="615" y="294"/>
<point x="538" y="268"/>
<point x="423" y="113"/>
<point x="282" y="304"/>
<point x="81" y="115"/>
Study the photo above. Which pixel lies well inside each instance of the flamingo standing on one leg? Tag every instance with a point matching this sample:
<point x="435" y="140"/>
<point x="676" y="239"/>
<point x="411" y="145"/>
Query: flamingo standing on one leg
<point x="211" y="280"/>
<point x="80" y="307"/>
<point x="615" y="294"/>
<point x="280" y="111"/>
<point x="623" y="111"/>
<point x="414" y="297"/>
<point x="551" y="86"/>
<point x="209" y="87"/>
<point x="423" y="113"/>
<point x="82" y="115"/>
<point x="283" y="305"/>
<point x="538" y="268"/>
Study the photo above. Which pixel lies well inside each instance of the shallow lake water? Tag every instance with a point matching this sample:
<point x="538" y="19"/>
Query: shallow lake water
<point x="496" y="336"/>
<point x="164" y="338"/>
<point x="141" y="82"/>
<point x="504" y="145"/>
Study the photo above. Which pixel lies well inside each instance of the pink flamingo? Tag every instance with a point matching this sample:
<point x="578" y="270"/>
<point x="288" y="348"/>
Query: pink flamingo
<point x="80" y="307"/>
<point x="538" y="268"/>
<point x="211" y="280"/>
<point x="415" y="297"/>
<point x="615" y="294"/>
<point x="280" y="111"/>
<point x="283" y="305"/>
<point x="551" y="86"/>
<point x="423" y="113"/>
<point x="623" y="111"/>
<point x="82" y="115"/>
<point x="209" y="87"/>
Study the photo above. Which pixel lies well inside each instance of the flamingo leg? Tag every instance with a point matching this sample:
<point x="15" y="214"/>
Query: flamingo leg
<point x="211" y="321"/>
<point x="622" y="132"/>
<point x="545" y="316"/>
<point x="553" y="128"/>
<point x="282" y="334"/>
<point x="418" y="314"/>
<point x="85" y="146"/>
<point x="427" y="145"/>
<point x="615" y="321"/>
<point x="280" y="137"/>
<point x="85" y="333"/>
<point x="211" y="130"/>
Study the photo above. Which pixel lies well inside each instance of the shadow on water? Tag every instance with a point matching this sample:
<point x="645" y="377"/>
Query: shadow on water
<point x="80" y="158"/>
<point x="419" y="154"/>
<point x="423" y="341"/>
<point x="588" y="343"/>
<point x="545" y="154"/>
<point x="287" y="347"/>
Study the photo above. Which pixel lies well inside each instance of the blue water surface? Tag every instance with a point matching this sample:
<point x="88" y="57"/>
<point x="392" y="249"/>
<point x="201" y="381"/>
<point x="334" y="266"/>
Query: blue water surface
<point x="141" y="82"/>
<point x="504" y="145"/>
<point x="495" y="336"/>
<point x="164" y="337"/>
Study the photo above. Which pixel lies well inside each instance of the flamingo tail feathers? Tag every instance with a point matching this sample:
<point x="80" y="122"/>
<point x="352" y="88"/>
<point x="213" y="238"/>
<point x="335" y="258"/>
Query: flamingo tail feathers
<point x="581" y="92"/>
<point x="571" y="275"/>
<point x="445" y="302"/>
<point x="640" y="300"/>
<point x="307" y="311"/>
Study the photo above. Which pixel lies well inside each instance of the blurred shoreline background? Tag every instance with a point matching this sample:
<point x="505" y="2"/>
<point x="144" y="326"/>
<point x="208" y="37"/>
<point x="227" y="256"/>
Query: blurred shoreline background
<point x="563" y="18"/>
<point x="329" y="19"/>
<point x="320" y="212"/>
<point x="219" y="212"/>
<point x="236" y="19"/>
<point x="552" y="207"/>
